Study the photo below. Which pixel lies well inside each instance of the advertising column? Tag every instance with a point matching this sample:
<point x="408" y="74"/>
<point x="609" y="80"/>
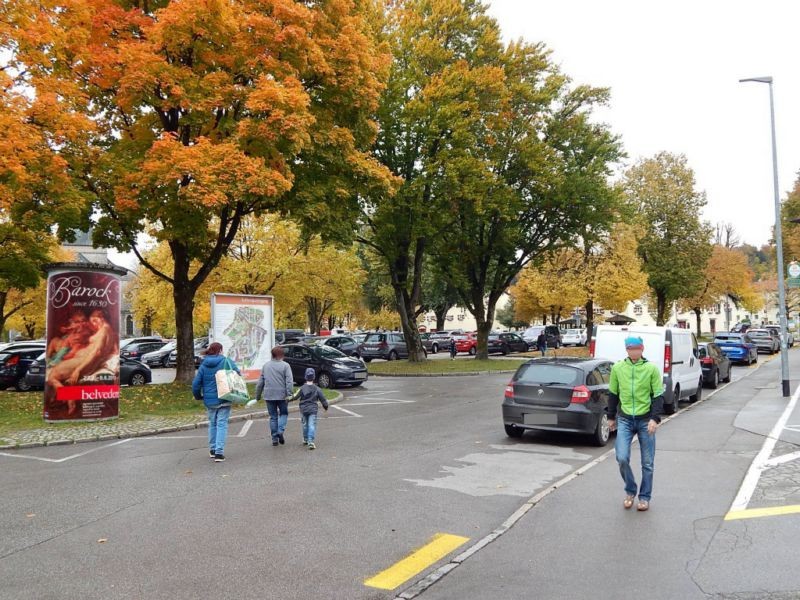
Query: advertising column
<point x="82" y="356"/>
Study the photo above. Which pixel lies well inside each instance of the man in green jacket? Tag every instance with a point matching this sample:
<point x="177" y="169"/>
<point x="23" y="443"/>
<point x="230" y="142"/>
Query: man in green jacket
<point x="636" y="388"/>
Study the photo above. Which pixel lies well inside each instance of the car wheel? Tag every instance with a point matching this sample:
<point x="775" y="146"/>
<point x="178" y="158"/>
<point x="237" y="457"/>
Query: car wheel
<point x="324" y="380"/>
<point x="698" y="393"/>
<point x="137" y="378"/>
<point x="392" y="355"/>
<point x="22" y="386"/>
<point x="514" y="432"/>
<point x="728" y="376"/>
<point x="672" y="407"/>
<point x="366" y="360"/>
<point x="357" y="384"/>
<point x="602" y="432"/>
<point x="165" y="362"/>
<point x="504" y="350"/>
<point x="435" y="348"/>
<point x="473" y="351"/>
<point x="714" y="379"/>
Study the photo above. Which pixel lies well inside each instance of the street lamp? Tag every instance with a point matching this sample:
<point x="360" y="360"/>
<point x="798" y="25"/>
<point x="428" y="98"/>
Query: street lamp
<point x="778" y="242"/>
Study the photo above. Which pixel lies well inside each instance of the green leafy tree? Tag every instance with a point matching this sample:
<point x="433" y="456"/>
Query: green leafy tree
<point x="675" y="245"/>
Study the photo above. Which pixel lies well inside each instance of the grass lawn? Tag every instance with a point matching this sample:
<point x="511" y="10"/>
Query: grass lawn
<point x="23" y="410"/>
<point x="460" y="365"/>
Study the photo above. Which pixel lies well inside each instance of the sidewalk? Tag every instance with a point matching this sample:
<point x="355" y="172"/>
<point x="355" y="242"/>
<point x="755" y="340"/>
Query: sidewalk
<point x="120" y="429"/>
<point x="579" y="543"/>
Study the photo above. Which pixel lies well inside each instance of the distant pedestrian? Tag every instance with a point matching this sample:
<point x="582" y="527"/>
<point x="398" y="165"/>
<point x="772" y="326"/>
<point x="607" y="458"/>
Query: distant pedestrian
<point x="204" y="387"/>
<point x="635" y="386"/>
<point x="308" y="395"/>
<point x="277" y="382"/>
<point x="541" y="343"/>
<point x="453" y="351"/>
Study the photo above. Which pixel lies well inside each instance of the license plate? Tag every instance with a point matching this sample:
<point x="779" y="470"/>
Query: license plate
<point x="540" y="419"/>
<point x="360" y="375"/>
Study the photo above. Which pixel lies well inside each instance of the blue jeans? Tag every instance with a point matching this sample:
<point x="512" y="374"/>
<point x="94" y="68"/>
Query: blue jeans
<point x="543" y="349"/>
<point x="218" y="428"/>
<point x="626" y="429"/>
<point x="278" y="416"/>
<point x="309" y="427"/>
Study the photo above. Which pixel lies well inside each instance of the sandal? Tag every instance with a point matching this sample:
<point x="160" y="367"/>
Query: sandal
<point x="643" y="505"/>
<point x="628" y="502"/>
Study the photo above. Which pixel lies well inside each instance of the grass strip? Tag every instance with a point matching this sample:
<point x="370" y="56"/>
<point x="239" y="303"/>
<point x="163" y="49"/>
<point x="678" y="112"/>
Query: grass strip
<point x="23" y="410"/>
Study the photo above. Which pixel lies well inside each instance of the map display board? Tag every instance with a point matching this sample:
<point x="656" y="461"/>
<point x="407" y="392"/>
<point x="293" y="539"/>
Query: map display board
<point x="244" y="327"/>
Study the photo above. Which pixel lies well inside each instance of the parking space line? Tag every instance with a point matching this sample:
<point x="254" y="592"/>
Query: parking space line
<point x="440" y="546"/>
<point x="246" y="428"/>
<point x="759" y="463"/>
<point x="66" y="458"/>
<point x="772" y="511"/>
<point x="378" y="403"/>
<point x="344" y="410"/>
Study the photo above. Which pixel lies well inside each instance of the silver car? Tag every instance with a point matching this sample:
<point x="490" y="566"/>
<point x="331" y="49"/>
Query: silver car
<point x="764" y="340"/>
<point x="776" y="329"/>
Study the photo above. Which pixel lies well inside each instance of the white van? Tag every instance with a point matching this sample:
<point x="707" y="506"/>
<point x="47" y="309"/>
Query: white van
<point x="673" y="350"/>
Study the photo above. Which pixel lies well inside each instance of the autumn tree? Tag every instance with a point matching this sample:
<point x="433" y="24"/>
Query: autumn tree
<point x="550" y="290"/>
<point x="726" y="274"/>
<point x="36" y="190"/>
<point x="675" y="244"/>
<point x="205" y="112"/>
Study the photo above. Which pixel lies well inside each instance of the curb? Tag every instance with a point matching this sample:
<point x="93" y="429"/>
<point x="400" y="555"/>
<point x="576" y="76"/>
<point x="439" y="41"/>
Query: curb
<point x="260" y="414"/>
<point x="468" y="374"/>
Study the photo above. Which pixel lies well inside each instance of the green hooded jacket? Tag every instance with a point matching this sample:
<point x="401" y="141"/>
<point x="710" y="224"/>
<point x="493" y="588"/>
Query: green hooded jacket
<point x="637" y="388"/>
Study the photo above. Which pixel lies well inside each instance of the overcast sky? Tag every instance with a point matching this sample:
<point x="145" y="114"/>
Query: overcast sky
<point x="673" y="69"/>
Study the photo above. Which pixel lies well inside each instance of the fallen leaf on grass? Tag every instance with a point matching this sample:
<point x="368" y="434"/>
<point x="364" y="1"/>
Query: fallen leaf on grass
<point x="189" y="472"/>
<point x="30" y="515"/>
<point x="102" y="540"/>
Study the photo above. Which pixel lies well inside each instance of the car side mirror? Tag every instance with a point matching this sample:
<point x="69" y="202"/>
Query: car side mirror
<point x="696" y="352"/>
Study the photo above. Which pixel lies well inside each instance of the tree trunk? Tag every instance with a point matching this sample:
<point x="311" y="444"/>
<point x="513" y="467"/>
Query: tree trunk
<point x="661" y="308"/>
<point x="589" y="306"/>
<point x="441" y="314"/>
<point x="484" y="319"/>
<point x="697" y="317"/>
<point x="416" y="353"/>
<point x="183" y="296"/>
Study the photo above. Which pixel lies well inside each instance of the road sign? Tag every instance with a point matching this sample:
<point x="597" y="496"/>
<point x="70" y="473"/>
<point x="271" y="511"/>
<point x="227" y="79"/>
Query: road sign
<point x="793" y="282"/>
<point x="794" y="270"/>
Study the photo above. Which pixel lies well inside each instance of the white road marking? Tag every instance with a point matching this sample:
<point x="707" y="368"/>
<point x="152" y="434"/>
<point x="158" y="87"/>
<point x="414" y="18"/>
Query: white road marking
<point x="779" y="460"/>
<point x="378" y="403"/>
<point x="70" y="457"/>
<point x="759" y="463"/>
<point x="246" y="428"/>
<point x="344" y="410"/>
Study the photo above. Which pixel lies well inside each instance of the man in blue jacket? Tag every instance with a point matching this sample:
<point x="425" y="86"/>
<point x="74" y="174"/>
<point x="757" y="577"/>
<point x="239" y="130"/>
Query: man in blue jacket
<point x="204" y="387"/>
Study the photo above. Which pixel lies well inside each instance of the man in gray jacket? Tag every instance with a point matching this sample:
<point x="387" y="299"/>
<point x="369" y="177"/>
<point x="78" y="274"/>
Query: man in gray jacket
<point x="276" y="382"/>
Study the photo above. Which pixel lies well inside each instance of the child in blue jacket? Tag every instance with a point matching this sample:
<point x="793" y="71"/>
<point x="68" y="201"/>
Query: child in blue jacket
<point x="309" y="394"/>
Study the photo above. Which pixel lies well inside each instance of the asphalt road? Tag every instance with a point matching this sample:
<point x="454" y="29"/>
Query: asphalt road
<point x="398" y="462"/>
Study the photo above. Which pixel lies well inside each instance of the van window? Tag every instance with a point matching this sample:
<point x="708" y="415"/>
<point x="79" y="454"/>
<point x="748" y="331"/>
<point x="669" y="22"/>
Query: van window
<point x="546" y="373"/>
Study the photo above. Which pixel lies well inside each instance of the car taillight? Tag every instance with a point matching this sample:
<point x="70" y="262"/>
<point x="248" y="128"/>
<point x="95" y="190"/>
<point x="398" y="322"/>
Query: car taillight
<point x="667" y="358"/>
<point x="591" y="348"/>
<point x="580" y="395"/>
<point x="510" y="390"/>
<point x="12" y="361"/>
<point x="383" y="345"/>
<point x="707" y="360"/>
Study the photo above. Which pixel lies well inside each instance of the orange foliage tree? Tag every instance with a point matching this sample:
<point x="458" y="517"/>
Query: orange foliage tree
<point x="206" y="111"/>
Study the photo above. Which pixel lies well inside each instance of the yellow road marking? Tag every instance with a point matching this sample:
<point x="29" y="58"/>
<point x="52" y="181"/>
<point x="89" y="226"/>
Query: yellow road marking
<point x="752" y="513"/>
<point x="440" y="545"/>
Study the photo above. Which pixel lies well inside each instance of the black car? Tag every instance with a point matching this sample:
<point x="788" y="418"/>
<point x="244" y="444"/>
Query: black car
<point x="559" y="394"/>
<point x="14" y="364"/>
<point x="136" y="350"/>
<point x="131" y="372"/>
<point x="200" y="346"/>
<point x="343" y="343"/>
<point x="715" y="364"/>
<point x="288" y="336"/>
<point x="160" y="357"/>
<point x="505" y="343"/>
<point x="331" y="366"/>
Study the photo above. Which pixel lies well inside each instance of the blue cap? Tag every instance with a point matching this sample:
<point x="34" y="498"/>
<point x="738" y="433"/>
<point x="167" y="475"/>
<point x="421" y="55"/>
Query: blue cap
<point x="633" y="340"/>
<point x="310" y="374"/>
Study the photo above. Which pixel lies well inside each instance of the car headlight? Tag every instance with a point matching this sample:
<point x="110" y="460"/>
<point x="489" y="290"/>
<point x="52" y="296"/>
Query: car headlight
<point x="341" y="367"/>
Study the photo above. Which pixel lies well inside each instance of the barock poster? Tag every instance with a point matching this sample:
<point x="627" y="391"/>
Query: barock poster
<point x="82" y="356"/>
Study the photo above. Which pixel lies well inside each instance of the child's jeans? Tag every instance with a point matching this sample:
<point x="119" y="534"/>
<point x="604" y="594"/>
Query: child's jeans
<point x="309" y="427"/>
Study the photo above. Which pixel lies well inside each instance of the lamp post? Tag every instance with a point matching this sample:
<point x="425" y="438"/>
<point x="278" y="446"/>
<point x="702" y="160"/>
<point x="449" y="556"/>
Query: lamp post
<point x="778" y="241"/>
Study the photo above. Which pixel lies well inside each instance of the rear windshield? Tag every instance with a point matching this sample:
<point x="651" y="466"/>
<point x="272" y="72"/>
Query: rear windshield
<point x="549" y="374"/>
<point x="375" y="337"/>
<point x="755" y="333"/>
<point x="731" y="337"/>
<point x="702" y="352"/>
